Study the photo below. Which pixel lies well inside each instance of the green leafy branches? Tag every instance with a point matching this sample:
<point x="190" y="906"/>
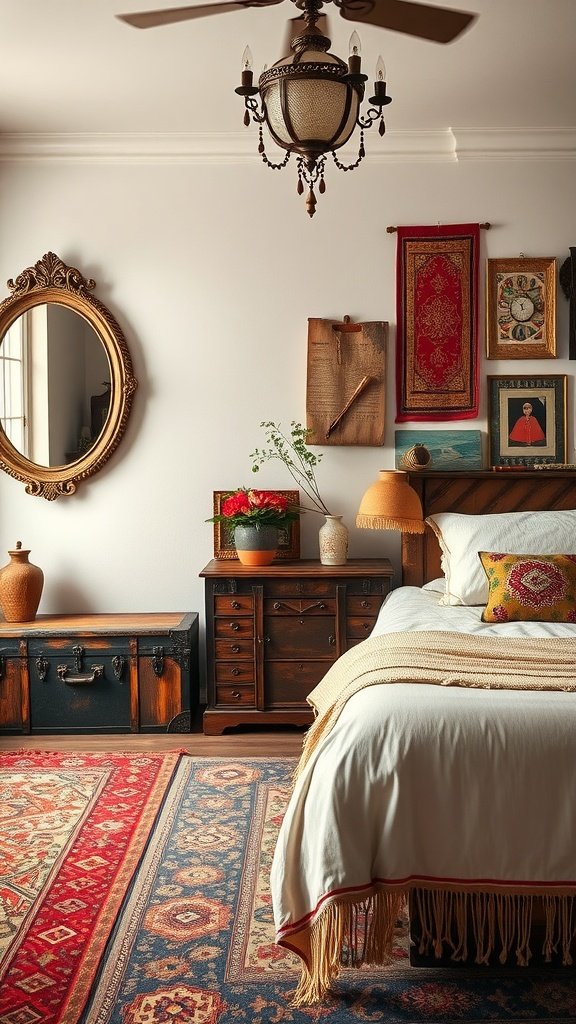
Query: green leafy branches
<point x="292" y="450"/>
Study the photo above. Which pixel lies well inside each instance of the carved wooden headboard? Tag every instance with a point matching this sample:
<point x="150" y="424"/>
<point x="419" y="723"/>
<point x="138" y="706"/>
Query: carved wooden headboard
<point x="476" y="494"/>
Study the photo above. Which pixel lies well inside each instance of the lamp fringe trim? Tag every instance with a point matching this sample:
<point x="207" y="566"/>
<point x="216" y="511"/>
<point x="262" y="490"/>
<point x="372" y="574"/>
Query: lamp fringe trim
<point x="369" y="522"/>
<point x="349" y="933"/>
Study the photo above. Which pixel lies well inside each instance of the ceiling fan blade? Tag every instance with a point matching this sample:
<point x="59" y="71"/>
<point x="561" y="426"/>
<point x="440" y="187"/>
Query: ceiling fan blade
<point x="295" y="27"/>
<point x="439" y="24"/>
<point x="170" y="15"/>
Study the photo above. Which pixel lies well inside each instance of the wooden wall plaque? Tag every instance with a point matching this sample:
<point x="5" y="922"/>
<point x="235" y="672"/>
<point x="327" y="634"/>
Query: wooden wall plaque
<point x="346" y="382"/>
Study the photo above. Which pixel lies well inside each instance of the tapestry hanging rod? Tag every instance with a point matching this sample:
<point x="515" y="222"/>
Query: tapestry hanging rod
<point x="392" y="227"/>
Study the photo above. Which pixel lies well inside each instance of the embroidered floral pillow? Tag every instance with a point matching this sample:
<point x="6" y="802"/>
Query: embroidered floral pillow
<point x="537" y="588"/>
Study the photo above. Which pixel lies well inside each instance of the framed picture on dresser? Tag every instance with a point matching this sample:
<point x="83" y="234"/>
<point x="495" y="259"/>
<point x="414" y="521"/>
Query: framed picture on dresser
<point x="527" y="420"/>
<point x="288" y="538"/>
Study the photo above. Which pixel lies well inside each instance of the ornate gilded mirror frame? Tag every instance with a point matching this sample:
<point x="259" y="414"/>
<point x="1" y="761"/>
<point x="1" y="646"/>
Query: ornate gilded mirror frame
<point x="50" y="280"/>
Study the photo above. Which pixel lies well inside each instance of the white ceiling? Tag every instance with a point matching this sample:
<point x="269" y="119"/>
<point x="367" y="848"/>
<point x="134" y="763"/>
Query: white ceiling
<point x="71" y="66"/>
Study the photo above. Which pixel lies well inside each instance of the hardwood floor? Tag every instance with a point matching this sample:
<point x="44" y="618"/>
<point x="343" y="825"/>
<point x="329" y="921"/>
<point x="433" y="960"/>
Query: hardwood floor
<point x="254" y="742"/>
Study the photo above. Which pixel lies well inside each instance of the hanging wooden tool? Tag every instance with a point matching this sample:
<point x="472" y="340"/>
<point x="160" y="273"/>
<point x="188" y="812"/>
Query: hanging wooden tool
<point x="346" y="382"/>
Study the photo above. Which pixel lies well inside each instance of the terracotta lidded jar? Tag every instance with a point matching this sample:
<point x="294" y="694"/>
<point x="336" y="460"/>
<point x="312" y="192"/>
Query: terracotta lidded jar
<point x="21" y="585"/>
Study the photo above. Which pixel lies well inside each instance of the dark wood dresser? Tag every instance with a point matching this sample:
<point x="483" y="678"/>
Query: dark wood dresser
<point x="98" y="673"/>
<point x="273" y="632"/>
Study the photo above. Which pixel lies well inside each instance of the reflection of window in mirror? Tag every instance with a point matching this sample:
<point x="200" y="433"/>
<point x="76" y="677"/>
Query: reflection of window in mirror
<point x="13" y="379"/>
<point x="52" y="361"/>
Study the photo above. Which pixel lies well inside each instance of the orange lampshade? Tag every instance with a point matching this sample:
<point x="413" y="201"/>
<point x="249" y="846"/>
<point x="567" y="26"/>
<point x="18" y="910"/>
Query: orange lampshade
<point x="391" y="504"/>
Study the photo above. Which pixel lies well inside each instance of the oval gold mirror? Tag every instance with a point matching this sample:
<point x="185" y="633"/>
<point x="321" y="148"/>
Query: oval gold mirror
<point x="66" y="380"/>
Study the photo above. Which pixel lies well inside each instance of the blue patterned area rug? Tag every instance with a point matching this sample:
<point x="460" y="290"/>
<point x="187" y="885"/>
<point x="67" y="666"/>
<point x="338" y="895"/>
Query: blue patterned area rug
<point x="195" y="942"/>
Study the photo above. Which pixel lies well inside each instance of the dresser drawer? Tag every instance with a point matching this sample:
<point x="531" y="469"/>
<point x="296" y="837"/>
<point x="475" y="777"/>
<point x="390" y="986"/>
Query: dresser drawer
<point x="236" y="604"/>
<point x="234" y="650"/>
<point x="290" y="682"/>
<point x="300" y="638"/>
<point x="299" y="606"/>
<point x="299" y="588"/>
<point x="242" y="628"/>
<point x="232" y="672"/>
<point x="360" y="627"/>
<point x="243" y="696"/>
<point x="366" y="605"/>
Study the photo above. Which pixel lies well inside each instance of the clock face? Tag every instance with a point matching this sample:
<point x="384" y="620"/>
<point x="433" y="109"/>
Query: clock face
<point x="522" y="308"/>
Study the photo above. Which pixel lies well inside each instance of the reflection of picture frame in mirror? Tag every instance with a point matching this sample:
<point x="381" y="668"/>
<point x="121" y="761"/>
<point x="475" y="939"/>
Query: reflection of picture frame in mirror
<point x="52" y="285"/>
<point x="288" y="538"/>
<point x="527" y="420"/>
<point x="521" y="308"/>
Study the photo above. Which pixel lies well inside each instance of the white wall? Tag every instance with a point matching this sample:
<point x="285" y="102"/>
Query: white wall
<point x="212" y="272"/>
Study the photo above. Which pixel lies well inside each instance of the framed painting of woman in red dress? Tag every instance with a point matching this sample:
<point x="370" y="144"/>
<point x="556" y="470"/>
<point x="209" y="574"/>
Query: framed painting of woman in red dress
<point x="527" y="420"/>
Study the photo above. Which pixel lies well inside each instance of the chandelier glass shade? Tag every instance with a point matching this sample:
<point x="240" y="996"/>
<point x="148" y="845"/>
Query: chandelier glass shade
<point x="310" y="103"/>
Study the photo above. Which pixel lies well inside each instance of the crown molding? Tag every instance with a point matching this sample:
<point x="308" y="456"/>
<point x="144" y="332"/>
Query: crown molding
<point x="212" y="148"/>
<point x="515" y="143"/>
<point x="445" y="145"/>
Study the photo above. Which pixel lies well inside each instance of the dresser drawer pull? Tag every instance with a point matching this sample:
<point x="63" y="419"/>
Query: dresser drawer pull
<point x="82" y="679"/>
<point x="235" y="626"/>
<point x="291" y="607"/>
<point x="236" y="694"/>
<point x="364" y="604"/>
<point x="235" y="672"/>
<point x="332" y="640"/>
<point x="235" y="605"/>
<point x="367" y="626"/>
<point x="235" y="648"/>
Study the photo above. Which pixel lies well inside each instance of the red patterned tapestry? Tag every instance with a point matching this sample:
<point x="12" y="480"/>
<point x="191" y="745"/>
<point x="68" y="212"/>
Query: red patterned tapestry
<point x="73" y="828"/>
<point x="437" y="322"/>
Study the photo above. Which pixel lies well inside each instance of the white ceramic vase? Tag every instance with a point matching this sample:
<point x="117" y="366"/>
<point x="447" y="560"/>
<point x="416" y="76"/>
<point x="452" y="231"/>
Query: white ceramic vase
<point x="333" y="541"/>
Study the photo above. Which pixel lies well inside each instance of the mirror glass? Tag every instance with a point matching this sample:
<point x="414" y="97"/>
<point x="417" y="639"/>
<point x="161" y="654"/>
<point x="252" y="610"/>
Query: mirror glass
<point x="54" y="384"/>
<point x="66" y="381"/>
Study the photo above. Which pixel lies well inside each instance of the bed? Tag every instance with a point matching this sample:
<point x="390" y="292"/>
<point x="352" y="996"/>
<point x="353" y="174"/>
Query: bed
<point x="439" y="774"/>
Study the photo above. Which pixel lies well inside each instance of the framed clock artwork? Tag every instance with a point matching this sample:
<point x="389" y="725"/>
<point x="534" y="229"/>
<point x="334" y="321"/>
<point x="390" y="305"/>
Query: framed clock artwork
<point x="521" y="308"/>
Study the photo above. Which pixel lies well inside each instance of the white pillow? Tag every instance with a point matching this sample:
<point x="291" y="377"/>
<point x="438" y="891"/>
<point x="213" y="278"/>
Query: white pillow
<point x="461" y="537"/>
<point x="437" y="586"/>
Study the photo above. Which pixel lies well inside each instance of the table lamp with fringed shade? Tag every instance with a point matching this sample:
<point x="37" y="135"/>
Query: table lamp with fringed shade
<point x="390" y="503"/>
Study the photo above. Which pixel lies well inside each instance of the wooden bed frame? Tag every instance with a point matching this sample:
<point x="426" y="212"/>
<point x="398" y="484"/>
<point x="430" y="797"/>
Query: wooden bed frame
<point x="478" y="493"/>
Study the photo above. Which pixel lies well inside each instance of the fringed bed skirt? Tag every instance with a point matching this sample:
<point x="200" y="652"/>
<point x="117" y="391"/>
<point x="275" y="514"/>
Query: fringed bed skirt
<point x="472" y="927"/>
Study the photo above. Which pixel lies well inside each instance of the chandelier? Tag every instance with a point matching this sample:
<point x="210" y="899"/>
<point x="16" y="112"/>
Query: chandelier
<point x="310" y="103"/>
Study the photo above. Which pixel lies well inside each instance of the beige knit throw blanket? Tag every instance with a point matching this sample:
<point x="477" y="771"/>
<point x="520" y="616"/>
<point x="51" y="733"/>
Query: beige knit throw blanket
<point x="443" y="658"/>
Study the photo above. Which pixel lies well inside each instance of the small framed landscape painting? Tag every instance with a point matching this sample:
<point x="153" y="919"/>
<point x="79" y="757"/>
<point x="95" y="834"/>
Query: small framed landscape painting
<point x="448" y="449"/>
<point x="288" y="539"/>
<point x="527" y="420"/>
<point x="521" y="308"/>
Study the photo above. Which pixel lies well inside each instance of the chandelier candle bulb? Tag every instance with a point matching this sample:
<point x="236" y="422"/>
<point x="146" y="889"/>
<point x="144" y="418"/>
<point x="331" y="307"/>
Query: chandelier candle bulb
<point x="247" y="74"/>
<point x="354" y="54"/>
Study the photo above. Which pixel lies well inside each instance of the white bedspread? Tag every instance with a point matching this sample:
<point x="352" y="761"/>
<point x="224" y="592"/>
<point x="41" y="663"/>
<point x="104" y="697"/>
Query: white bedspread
<point x="421" y="785"/>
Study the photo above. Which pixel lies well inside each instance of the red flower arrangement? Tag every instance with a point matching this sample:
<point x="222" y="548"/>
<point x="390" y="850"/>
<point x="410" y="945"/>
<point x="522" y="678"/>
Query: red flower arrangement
<point x="248" y="507"/>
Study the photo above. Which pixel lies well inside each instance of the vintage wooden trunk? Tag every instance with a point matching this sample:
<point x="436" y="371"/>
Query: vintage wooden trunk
<point x="98" y="673"/>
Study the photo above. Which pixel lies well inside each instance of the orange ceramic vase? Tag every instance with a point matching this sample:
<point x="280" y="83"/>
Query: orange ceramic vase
<point x="21" y="585"/>
<point x="256" y="545"/>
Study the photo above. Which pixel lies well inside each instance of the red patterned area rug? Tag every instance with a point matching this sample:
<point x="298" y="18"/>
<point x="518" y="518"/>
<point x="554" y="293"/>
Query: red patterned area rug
<point x="73" y="828"/>
<point x="195" y="943"/>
